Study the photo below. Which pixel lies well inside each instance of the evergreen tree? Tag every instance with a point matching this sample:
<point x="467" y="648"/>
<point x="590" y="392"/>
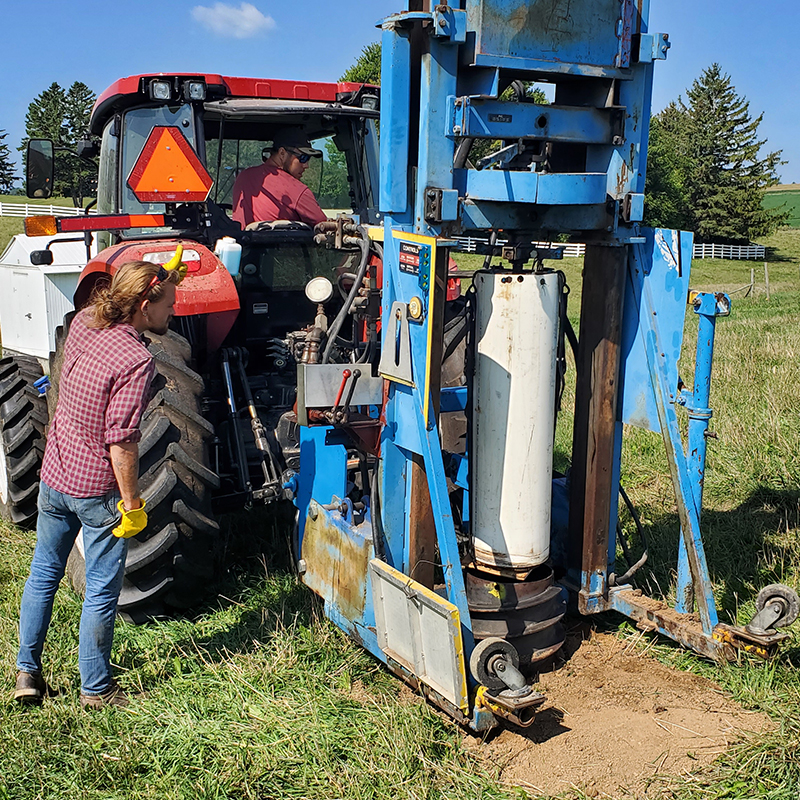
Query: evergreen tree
<point x="77" y="111"/>
<point x="367" y="68"/>
<point x="7" y="176"/>
<point x="728" y="176"/>
<point x="706" y="170"/>
<point x="63" y="117"/>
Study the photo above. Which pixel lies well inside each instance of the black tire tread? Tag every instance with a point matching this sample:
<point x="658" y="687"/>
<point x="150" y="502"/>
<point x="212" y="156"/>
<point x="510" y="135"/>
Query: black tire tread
<point x="169" y="565"/>
<point x="23" y="419"/>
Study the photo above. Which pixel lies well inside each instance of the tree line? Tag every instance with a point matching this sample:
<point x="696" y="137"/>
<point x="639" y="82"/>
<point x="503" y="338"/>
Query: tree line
<point x="707" y="170"/>
<point x="61" y="115"/>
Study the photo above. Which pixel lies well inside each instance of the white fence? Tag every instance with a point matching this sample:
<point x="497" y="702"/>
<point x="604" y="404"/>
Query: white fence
<point x="468" y="244"/>
<point x="38" y="210"/>
<point x="752" y="252"/>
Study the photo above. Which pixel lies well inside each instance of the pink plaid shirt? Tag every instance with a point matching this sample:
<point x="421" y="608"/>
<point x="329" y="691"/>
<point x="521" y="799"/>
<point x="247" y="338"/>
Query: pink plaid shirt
<point x="103" y="391"/>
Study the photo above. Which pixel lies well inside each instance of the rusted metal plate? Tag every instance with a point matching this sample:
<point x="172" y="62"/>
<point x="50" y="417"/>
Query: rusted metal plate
<point x="337" y="558"/>
<point x="686" y="629"/>
<point x="565" y="35"/>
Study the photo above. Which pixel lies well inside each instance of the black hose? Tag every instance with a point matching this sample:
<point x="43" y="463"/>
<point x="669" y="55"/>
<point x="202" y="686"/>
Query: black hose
<point x="462" y="152"/>
<point x="632" y="569"/>
<point x="378" y="540"/>
<point x="348" y="303"/>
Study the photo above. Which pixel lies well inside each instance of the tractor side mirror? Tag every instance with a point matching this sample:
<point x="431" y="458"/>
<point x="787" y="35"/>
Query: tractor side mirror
<point x="41" y="258"/>
<point x="39" y="172"/>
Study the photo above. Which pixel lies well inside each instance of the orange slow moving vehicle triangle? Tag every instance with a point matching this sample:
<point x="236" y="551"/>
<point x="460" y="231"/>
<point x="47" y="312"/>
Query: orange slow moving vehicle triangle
<point x="168" y="170"/>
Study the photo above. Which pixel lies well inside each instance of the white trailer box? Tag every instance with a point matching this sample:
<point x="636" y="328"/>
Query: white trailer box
<point x="34" y="300"/>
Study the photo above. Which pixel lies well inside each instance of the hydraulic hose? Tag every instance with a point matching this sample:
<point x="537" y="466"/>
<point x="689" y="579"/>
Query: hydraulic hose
<point x="336" y="326"/>
<point x="633" y="568"/>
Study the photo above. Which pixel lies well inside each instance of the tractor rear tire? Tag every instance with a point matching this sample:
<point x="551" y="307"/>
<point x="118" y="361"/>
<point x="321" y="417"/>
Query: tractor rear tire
<point x="23" y="418"/>
<point x="171" y="565"/>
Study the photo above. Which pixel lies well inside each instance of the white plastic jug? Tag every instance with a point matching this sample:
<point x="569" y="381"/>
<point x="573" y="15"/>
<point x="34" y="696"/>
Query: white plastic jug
<point x="229" y="252"/>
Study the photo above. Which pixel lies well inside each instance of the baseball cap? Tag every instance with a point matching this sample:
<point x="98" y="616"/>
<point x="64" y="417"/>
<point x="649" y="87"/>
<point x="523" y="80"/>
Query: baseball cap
<point x="295" y="139"/>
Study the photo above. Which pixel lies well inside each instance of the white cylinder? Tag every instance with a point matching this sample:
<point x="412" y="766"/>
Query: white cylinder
<point x="513" y="409"/>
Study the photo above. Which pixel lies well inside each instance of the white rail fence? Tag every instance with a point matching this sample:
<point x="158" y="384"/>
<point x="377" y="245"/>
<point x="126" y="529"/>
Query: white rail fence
<point x="752" y="252"/>
<point x="39" y="209"/>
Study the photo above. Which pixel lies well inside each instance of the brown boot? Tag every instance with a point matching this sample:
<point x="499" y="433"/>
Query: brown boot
<point x="113" y="696"/>
<point x="31" y="688"/>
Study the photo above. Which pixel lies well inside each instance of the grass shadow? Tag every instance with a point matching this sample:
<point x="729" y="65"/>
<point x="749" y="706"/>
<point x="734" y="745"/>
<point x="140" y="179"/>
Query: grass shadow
<point x="746" y="547"/>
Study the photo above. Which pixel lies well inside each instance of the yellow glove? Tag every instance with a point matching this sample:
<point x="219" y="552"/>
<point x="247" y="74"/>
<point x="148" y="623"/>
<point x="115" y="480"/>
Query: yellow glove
<point x="176" y="263"/>
<point x="132" y="522"/>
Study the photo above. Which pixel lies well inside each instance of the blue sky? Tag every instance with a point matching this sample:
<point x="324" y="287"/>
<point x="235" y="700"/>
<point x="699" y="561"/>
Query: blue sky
<point x="98" y="42"/>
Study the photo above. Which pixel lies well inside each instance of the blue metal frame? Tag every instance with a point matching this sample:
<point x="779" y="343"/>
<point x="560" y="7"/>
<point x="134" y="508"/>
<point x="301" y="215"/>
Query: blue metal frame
<point x="458" y="55"/>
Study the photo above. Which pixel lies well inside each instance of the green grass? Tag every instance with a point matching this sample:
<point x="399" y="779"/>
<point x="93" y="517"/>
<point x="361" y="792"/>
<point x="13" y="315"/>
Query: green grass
<point x="11" y="226"/>
<point x="259" y="697"/>
<point x="786" y="200"/>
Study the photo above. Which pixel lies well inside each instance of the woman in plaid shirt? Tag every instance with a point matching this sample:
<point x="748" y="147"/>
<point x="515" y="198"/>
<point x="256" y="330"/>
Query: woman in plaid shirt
<point x="89" y="476"/>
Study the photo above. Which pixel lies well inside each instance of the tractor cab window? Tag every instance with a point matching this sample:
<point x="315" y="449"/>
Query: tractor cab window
<point x="326" y="176"/>
<point x="136" y="127"/>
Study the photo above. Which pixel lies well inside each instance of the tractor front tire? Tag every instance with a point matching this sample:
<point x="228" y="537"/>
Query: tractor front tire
<point x="173" y="562"/>
<point x="23" y="418"/>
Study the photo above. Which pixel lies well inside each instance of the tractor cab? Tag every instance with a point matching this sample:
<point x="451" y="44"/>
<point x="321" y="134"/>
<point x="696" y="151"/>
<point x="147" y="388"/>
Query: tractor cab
<point x="230" y="122"/>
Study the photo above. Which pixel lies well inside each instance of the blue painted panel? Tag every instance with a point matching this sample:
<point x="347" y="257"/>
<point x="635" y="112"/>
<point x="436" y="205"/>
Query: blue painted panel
<point x="575" y="190"/>
<point x="436" y="151"/>
<point x="395" y="109"/>
<point x="556" y="31"/>
<point x="531" y="187"/>
<point x="669" y="278"/>
<point x="497" y="119"/>
<point x="323" y="470"/>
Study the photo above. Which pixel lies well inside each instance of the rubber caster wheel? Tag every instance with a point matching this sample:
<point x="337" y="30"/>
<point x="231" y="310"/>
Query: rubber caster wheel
<point x="783" y="596"/>
<point x="485" y="654"/>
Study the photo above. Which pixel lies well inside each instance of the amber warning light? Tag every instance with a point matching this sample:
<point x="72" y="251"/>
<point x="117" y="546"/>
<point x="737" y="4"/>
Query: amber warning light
<point x="40" y="226"/>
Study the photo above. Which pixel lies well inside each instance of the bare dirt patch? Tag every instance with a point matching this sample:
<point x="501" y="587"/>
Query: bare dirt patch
<point x="616" y="724"/>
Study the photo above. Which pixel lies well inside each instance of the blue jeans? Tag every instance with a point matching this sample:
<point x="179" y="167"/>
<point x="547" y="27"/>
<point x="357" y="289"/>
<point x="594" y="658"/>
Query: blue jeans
<point x="60" y="519"/>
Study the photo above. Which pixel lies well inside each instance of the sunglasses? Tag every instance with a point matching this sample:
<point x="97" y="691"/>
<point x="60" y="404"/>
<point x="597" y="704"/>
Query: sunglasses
<point x="303" y="158"/>
<point x="159" y="277"/>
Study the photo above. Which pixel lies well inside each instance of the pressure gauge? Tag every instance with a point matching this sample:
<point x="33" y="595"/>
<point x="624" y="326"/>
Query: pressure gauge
<point x="319" y="289"/>
<point x="415" y="308"/>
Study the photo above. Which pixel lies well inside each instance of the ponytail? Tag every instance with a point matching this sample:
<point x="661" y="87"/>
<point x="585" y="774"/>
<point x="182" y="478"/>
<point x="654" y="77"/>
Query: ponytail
<point x="117" y="302"/>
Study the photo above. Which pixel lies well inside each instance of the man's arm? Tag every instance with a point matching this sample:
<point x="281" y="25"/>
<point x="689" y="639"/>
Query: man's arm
<point x="308" y="209"/>
<point x="125" y="463"/>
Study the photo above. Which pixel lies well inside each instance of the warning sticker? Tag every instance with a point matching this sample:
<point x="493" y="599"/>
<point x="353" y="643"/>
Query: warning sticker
<point x="409" y="257"/>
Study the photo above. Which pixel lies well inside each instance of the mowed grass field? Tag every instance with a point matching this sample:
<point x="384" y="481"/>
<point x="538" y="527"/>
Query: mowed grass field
<point x="787" y="199"/>
<point x="10" y="226"/>
<point x="257" y="696"/>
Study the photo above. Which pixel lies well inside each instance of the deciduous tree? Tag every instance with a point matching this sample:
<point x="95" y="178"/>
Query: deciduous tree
<point x="367" y="67"/>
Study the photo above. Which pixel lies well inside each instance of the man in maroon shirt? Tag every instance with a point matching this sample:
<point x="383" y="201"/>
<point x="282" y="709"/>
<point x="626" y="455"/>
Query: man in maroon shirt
<point x="89" y="479"/>
<point x="273" y="190"/>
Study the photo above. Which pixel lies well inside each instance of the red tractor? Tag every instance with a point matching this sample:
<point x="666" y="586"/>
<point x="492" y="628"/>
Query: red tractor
<point x="221" y="430"/>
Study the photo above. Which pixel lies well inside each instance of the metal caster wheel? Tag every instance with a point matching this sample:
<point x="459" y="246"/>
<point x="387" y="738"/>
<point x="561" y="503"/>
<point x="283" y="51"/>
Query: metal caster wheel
<point x="485" y="658"/>
<point x="777" y="606"/>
